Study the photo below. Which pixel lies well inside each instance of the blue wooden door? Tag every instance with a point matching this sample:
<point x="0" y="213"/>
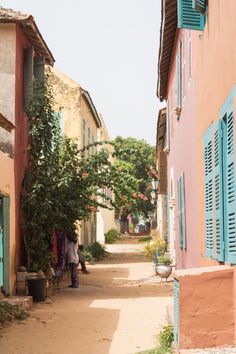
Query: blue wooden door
<point x="1" y="242"/>
<point x="6" y="243"/>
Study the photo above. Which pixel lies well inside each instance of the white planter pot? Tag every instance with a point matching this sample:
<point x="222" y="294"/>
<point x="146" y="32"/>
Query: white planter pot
<point x="163" y="270"/>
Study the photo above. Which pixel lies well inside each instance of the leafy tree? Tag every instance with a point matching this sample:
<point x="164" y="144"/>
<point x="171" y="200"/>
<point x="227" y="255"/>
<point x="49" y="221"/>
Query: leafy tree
<point x="62" y="183"/>
<point x="140" y="157"/>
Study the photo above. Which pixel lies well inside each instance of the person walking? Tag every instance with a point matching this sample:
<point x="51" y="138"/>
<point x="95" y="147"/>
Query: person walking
<point x="73" y="260"/>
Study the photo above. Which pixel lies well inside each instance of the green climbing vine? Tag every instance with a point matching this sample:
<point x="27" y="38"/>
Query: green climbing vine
<point x="62" y="184"/>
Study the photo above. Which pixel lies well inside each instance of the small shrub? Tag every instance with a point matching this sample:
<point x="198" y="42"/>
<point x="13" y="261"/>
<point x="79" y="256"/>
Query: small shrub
<point x="9" y="313"/>
<point x="144" y="238"/>
<point x="155" y="248"/>
<point x="87" y="256"/>
<point x="166" y="337"/>
<point x="96" y="250"/>
<point x="111" y="236"/>
<point x="164" y="259"/>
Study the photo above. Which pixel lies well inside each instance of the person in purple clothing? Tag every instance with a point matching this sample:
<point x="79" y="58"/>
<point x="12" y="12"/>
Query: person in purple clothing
<point x="73" y="260"/>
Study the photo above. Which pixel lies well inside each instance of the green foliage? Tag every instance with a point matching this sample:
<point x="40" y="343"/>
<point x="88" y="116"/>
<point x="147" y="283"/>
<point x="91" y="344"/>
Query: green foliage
<point x="145" y="238"/>
<point x="138" y="156"/>
<point x="96" y="250"/>
<point x="155" y="248"/>
<point x="111" y="236"/>
<point x="63" y="183"/>
<point x="166" y="337"/>
<point x="9" y="313"/>
<point x="87" y="256"/>
<point x="164" y="259"/>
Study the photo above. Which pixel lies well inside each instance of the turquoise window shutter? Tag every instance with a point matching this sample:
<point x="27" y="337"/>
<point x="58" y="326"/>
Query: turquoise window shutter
<point x="218" y="192"/>
<point x="200" y="6"/>
<point x="230" y="227"/>
<point x="180" y="213"/>
<point x="1" y="242"/>
<point x="208" y="191"/>
<point x="176" y="312"/>
<point x="188" y="17"/>
<point x="6" y="243"/>
<point x="182" y="195"/>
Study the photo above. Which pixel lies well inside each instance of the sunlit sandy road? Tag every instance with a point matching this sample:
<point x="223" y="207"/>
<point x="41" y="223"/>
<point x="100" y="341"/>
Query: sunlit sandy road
<point x="118" y="309"/>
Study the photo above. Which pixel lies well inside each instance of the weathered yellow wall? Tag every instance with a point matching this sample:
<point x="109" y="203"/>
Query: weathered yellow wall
<point x="7" y="187"/>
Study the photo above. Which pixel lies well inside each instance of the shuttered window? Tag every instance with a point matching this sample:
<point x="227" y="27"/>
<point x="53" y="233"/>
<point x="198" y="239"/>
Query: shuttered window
<point x="208" y="164"/>
<point x="220" y="187"/>
<point x="181" y="211"/>
<point x="189" y="17"/>
<point x="218" y="191"/>
<point x="230" y="204"/>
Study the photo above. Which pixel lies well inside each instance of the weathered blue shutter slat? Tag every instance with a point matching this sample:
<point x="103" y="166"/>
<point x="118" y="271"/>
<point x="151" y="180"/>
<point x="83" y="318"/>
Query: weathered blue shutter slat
<point x="182" y="180"/>
<point x="176" y="312"/>
<point x="6" y="244"/>
<point x="188" y="17"/>
<point x="200" y="5"/>
<point x="208" y="191"/>
<point x="218" y="192"/>
<point x="230" y="229"/>
<point x="180" y="213"/>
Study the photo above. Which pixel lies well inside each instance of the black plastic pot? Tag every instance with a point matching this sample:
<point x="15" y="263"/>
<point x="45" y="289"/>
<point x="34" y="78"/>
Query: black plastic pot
<point x="37" y="289"/>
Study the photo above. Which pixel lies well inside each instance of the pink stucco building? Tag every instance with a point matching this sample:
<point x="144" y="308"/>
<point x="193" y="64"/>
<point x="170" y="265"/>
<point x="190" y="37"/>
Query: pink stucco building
<point x="197" y="77"/>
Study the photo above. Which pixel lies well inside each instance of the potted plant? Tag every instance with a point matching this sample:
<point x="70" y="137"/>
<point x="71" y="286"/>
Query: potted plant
<point x="163" y="268"/>
<point x="154" y="249"/>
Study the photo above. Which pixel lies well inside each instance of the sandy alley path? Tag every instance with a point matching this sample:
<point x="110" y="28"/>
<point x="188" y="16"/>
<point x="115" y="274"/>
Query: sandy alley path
<point x="118" y="309"/>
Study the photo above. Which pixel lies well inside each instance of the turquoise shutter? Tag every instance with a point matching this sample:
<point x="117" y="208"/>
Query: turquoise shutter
<point x="188" y="17"/>
<point x="176" y="312"/>
<point x="183" y="218"/>
<point x="230" y="190"/>
<point x="208" y="191"/>
<point x="6" y="244"/>
<point x="1" y="242"/>
<point x="218" y="189"/>
<point x="200" y="5"/>
<point x="180" y="213"/>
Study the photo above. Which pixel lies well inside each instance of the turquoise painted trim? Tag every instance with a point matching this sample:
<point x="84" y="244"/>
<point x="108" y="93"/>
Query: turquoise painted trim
<point x="228" y="102"/>
<point x="1" y="241"/>
<point x="188" y="17"/>
<point x="229" y="185"/>
<point x="183" y="210"/>
<point x="208" y="181"/>
<point x="6" y="244"/>
<point x="176" y="312"/>
<point x="218" y="192"/>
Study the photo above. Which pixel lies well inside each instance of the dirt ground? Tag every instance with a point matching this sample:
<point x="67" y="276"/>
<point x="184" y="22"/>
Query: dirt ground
<point x="118" y="309"/>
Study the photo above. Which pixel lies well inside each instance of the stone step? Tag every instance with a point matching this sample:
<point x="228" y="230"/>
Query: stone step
<point x="21" y="302"/>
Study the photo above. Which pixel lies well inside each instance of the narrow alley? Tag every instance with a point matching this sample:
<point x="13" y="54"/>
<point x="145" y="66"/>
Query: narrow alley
<point x="118" y="308"/>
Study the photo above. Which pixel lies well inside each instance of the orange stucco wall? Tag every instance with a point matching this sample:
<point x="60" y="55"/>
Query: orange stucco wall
<point x="206" y="307"/>
<point x="7" y="187"/>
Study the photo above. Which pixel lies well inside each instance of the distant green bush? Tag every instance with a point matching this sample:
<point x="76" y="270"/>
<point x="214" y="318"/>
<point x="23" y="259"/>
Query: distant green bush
<point x="144" y="238"/>
<point x="87" y="256"/>
<point x="96" y="250"/>
<point x="111" y="236"/>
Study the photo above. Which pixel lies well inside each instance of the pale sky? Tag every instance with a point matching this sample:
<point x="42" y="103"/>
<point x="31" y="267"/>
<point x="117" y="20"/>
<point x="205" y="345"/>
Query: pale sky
<point x="110" y="47"/>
